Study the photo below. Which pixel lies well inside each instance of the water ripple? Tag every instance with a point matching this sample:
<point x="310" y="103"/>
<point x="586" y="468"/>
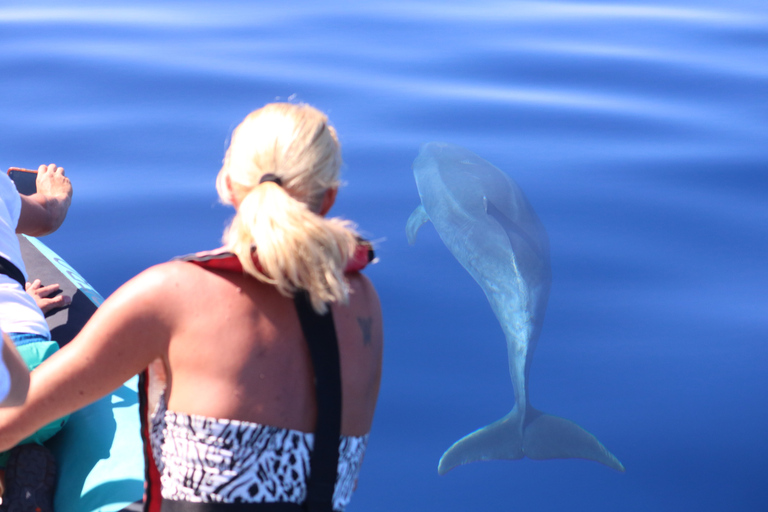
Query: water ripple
<point x="740" y="62"/>
<point x="238" y="15"/>
<point x="506" y="11"/>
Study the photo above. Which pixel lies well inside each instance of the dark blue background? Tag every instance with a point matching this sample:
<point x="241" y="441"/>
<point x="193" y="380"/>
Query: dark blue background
<point x="638" y="132"/>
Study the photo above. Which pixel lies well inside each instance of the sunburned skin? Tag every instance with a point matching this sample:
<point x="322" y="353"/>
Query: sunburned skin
<point x="265" y="339"/>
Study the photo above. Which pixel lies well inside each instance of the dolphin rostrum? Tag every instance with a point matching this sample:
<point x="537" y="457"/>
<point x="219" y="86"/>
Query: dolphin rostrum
<point x="488" y="225"/>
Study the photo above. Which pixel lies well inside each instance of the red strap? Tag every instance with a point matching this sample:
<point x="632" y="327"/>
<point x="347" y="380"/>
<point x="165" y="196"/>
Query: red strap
<point x="361" y="258"/>
<point x="221" y="259"/>
<point x="152" y="496"/>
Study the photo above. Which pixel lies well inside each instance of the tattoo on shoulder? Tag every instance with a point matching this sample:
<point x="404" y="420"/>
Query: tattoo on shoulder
<point x="365" y="326"/>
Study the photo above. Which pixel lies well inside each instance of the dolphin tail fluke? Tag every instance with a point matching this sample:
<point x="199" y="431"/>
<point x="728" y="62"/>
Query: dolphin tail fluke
<point x="415" y="221"/>
<point x="551" y="437"/>
<point x="500" y="440"/>
<point x="537" y="436"/>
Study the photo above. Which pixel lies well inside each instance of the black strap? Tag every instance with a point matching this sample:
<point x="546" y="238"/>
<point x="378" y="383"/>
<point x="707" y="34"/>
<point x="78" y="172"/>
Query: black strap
<point x="320" y="334"/>
<point x="12" y="271"/>
<point x="189" y="506"/>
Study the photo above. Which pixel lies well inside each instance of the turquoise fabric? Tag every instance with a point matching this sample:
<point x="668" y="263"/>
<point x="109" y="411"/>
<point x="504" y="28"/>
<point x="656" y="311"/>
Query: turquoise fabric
<point x="35" y="349"/>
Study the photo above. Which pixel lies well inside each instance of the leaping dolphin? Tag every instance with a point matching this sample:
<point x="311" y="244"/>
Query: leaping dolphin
<point x="486" y="222"/>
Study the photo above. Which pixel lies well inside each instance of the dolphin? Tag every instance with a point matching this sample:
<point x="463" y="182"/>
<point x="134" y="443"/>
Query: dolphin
<point x="489" y="226"/>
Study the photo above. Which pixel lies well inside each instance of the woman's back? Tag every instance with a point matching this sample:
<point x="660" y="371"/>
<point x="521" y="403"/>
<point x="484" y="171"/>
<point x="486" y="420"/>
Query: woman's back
<point x="236" y="351"/>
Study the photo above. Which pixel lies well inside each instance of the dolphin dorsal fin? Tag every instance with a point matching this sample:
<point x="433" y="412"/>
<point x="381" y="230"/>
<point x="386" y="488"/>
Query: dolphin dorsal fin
<point x="415" y="221"/>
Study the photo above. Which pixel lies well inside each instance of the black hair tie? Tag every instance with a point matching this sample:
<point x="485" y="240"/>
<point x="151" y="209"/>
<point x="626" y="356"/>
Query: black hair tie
<point x="271" y="177"/>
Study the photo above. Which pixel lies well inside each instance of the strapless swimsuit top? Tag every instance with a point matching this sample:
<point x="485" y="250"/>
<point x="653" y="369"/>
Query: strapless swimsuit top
<point x="202" y="459"/>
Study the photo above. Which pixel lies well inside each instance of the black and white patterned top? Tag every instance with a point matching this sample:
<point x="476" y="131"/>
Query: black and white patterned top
<point x="203" y="459"/>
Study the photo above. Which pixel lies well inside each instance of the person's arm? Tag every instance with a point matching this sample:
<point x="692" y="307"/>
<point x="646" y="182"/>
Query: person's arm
<point x="129" y="331"/>
<point x="18" y="374"/>
<point x="43" y="212"/>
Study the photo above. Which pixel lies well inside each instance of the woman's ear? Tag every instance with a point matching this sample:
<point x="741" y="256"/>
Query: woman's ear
<point x="328" y="199"/>
<point x="231" y="191"/>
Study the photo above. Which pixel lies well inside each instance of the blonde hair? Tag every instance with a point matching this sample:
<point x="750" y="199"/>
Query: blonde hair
<point x="296" y="248"/>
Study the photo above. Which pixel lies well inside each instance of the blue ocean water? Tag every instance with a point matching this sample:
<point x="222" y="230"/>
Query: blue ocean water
<point x="638" y="131"/>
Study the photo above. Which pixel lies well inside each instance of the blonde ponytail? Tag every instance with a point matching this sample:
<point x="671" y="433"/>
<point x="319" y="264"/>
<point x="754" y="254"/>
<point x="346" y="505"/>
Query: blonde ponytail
<point x="296" y="248"/>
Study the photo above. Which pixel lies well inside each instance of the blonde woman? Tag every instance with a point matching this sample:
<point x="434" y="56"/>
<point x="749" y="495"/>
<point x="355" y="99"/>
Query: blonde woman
<point x="270" y="347"/>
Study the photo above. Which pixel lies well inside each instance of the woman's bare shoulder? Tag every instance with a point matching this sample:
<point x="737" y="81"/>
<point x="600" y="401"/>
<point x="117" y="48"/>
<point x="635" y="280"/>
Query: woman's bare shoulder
<point x="159" y="287"/>
<point x="363" y="295"/>
<point x="177" y="273"/>
<point x="363" y="313"/>
<point x="359" y="283"/>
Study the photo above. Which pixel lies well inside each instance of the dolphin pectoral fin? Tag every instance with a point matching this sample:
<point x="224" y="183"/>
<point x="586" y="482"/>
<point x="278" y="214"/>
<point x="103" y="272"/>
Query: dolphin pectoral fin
<point x="499" y="440"/>
<point x="551" y="437"/>
<point x="415" y="221"/>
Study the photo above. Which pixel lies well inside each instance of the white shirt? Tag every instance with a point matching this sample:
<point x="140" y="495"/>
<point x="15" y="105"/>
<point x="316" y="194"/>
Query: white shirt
<point x="18" y="311"/>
